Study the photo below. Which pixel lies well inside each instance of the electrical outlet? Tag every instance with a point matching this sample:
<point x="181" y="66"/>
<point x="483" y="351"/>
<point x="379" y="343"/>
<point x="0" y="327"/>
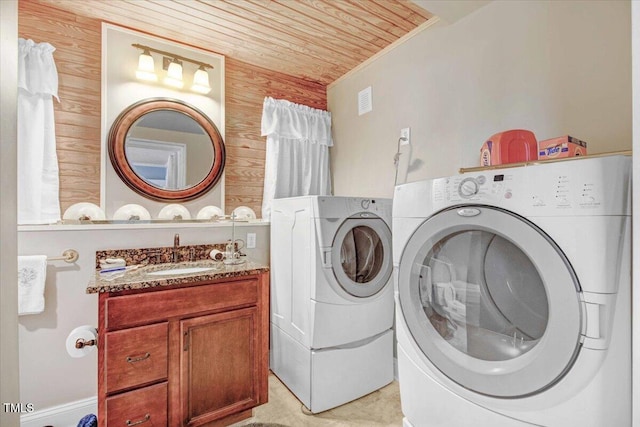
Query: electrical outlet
<point x="405" y="136"/>
<point x="251" y="240"/>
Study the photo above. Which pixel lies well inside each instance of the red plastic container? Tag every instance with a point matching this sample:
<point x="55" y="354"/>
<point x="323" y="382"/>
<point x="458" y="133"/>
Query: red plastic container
<point x="511" y="146"/>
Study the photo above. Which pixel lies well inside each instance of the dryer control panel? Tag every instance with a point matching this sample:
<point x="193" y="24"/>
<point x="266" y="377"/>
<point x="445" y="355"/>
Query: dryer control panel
<point x="364" y="208"/>
<point x="340" y="207"/>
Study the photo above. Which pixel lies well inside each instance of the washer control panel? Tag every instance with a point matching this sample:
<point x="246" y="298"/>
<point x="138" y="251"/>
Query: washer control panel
<point x="555" y="191"/>
<point x="469" y="187"/>
<point x="587" y="186"/>
<point x="565" y="191"/>
<point x="461" y="189"/>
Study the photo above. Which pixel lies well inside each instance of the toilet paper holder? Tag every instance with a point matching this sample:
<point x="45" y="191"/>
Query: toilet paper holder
<point x="82" y="343"/>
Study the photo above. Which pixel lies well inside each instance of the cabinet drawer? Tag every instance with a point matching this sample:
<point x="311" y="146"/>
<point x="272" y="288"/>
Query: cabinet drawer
<point x="153" y="306"/>
<point x="145" y="407"/>
<point x="136" y="356"/>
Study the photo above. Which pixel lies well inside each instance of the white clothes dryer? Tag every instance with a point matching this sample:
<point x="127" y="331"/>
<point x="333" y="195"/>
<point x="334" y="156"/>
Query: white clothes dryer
<point x="331" y="297"/>
<point x="513" y="296"/>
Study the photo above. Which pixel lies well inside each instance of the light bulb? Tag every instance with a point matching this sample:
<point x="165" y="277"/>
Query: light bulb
<point x="146" y="67"/>
<point x="174" y="75"/>
<point x="201" y="81"/>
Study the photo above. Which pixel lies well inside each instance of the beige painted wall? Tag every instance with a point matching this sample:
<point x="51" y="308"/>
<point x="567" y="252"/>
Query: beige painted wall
<point x="555" y="68"/>
<point x="9" y="381"/>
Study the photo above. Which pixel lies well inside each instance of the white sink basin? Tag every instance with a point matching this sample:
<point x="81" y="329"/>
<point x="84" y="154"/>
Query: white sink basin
<point x="178" y="271"/>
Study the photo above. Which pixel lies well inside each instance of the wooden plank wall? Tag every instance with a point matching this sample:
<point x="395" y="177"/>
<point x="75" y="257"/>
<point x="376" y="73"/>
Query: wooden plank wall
<point x="78" y="55"/>
<point x="246" y="87"/>
<point x="77" y="41"/>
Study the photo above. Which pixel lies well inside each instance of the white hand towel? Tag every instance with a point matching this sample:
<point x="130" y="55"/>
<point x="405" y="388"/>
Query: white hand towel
<point x="32" y="273"/>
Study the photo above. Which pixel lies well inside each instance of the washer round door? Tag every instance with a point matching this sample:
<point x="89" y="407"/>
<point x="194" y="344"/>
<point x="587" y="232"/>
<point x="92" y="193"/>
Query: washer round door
<point x="491" y="301"/>
<point x="361" y="256"/>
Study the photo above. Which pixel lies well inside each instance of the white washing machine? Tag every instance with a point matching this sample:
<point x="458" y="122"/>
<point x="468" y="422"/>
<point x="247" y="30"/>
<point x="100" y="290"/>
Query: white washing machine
<point x="331" y="297"/>
<point x="513" y="296"/>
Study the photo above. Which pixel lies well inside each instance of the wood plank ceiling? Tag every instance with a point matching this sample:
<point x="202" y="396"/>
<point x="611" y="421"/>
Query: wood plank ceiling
<point x="314" y="40"/>
<point x="289" y="49"/>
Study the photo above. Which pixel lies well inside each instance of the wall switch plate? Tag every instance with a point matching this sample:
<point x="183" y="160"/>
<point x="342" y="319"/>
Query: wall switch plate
<point x="251" y="240"/>
<point x="405" y="136"/>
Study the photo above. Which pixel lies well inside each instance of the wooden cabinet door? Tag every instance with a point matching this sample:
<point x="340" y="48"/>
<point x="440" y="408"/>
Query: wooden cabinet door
<point x="219" y="365"/>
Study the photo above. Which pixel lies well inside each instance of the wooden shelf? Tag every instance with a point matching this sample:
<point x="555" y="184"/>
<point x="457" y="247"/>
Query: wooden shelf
<point x="538" y="162"/>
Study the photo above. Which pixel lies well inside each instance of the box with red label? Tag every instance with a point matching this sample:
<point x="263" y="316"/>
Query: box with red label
<point x="561" y="147"/>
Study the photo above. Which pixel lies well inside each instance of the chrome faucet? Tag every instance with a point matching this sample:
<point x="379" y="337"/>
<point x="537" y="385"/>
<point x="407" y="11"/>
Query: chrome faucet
<point x="176" y="245"/>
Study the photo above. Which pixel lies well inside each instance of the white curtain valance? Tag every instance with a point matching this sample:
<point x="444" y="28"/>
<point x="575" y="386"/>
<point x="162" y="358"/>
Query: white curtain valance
<point x="37" y="73"/>
<point x="284" y="119"/>
<point x="297" y="155"/>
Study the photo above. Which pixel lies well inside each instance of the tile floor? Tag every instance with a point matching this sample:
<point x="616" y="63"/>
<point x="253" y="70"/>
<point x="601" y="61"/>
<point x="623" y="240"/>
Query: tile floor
<point x="378" y="409"/>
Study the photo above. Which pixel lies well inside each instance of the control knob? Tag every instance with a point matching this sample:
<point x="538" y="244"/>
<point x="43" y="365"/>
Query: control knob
<point x="468" y="188"/>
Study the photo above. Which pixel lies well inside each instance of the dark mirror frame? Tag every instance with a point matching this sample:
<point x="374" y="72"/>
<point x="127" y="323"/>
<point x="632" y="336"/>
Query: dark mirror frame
<point x="117" y="138"/>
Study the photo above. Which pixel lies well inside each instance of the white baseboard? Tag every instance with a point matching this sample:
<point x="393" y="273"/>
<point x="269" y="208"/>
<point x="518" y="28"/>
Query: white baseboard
<point x="66" y="415"/>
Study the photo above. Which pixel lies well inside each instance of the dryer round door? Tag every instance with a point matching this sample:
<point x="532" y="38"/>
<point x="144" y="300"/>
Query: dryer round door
<point x="491" y="301"/>
<point x="361" y="256"/>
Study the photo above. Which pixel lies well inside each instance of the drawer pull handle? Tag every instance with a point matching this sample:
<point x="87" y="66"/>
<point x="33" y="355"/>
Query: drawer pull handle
<point x="138" y="359"/>
<point x="135" y="423"/>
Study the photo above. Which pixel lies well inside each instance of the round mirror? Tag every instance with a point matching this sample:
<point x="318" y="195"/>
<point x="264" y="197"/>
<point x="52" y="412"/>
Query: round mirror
<point x="166" y="150"/>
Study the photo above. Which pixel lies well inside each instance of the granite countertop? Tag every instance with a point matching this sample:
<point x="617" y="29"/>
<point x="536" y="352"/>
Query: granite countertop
<point x="139" y="278"/>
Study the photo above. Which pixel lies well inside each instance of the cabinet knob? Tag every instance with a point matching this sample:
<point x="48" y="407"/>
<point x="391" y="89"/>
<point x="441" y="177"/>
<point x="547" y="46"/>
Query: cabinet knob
<point x="135" y="423"/>
<point x="138" y="359"/>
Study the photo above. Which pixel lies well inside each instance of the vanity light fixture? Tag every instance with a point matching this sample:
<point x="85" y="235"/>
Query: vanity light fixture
<point x="174" y="65"/>
<point x="174" y="74"/>
<point x="201" y="81"/>
<point x="146" y="67"/>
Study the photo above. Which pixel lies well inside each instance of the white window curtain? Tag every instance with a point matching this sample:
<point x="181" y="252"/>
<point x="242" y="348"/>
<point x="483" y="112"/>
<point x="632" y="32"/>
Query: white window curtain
<point x="38" y="182"/>
<point x="297" y="161"/>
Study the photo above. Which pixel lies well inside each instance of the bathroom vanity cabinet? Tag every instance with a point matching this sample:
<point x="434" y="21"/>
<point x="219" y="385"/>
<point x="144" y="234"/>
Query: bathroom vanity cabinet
<point x="193" y="354"/>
